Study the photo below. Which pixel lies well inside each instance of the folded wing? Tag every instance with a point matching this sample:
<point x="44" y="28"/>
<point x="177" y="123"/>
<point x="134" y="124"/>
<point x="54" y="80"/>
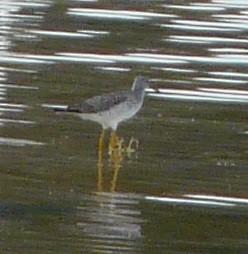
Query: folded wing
<point x="99" y="103"/>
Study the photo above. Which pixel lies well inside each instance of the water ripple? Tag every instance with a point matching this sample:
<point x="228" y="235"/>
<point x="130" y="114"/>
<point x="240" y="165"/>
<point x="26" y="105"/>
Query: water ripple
<point x="18" y="142"/>
<point x="203" y="94"/>
<point x="116" y="14"/>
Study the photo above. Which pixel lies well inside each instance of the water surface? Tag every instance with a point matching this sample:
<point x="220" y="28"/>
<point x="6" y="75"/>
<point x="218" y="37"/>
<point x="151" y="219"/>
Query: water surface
<point x="184" y="189"/>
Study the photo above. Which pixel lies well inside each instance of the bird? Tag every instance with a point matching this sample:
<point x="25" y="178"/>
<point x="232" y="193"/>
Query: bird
<point x="110" y="109"/>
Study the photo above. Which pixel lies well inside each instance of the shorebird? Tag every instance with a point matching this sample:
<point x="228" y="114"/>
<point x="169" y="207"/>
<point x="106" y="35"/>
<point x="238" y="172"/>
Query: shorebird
<point x="111" y="109"/>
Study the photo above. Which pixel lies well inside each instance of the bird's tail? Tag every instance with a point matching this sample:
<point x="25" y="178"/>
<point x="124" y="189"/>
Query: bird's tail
<point x="61" y="109"/>
<point x="67" y="109"/>
<point x="56" y="108"/>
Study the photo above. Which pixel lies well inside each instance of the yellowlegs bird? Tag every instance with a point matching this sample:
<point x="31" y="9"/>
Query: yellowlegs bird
<point x="112" y="108"/>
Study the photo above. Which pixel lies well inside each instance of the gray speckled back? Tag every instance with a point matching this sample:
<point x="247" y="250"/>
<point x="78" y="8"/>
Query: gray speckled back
<point x="101" y="103"/>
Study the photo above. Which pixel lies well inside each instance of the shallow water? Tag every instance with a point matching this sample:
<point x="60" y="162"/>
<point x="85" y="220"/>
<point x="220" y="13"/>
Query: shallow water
<point x="184" y="189"/>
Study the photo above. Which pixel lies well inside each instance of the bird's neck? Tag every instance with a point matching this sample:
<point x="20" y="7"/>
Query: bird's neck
<point x="139" y="94"/>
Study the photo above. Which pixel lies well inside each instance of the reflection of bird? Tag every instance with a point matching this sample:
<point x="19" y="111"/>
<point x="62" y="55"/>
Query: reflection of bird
<point x="112" y="108"/>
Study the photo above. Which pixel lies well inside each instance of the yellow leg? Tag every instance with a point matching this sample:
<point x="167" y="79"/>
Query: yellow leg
<point x="113" y="142"/>
<point x="116" y="165"/>
<point x="115" y="152"/>
<point x="101" y="144"/>
<point x="101" y="161"/>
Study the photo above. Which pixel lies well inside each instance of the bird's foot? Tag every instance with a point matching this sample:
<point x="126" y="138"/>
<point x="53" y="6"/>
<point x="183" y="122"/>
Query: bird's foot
<point x="131" y="147"/>
<point x="117" y="145"/>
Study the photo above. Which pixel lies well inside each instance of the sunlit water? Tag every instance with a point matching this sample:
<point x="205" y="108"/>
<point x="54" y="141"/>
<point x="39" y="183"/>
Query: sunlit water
<point x="184" y="189"/>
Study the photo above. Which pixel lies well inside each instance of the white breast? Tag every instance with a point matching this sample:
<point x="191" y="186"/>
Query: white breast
<point x="111" y="118"/>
